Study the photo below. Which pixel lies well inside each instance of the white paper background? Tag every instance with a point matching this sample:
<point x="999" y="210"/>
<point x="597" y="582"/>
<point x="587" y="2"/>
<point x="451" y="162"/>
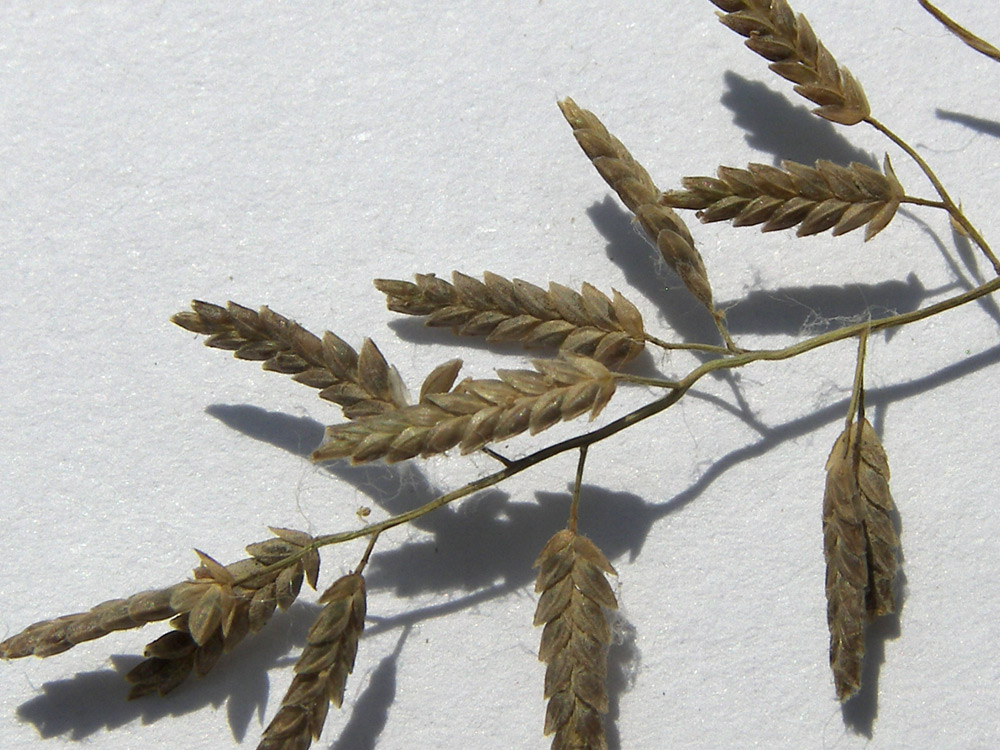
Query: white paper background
<point x="285" y="154"/>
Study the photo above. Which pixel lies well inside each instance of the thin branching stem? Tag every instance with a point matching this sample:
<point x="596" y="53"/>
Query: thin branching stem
<point x="368" y="552"/>
<point x="693" y="347"/>
<point x="914" y="201"/>
<point x="574" y="508"/>
<point x="949" y="204"/>
<point x="977" y="43"/>
<point x="639" y="380"/>
<point x="859" y="376"/>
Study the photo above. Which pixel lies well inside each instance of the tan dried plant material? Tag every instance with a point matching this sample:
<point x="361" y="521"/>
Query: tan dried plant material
<point x="640" y="195"/>
<point x="861" y="546"/>
<point x="476" y="412"/>
<point x="211" y="614"/>
<point x="978" y="44"/>
<point x="574" y="594"/>
<point x="776" y="33"/>
<point x="322" y="669"/>
<point x="361" y="383"/>
<point x="587" y="323"/>
<point x="816" y="199"/>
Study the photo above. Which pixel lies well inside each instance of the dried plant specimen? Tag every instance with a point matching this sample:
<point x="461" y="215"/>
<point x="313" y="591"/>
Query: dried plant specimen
<point x="587" y="323"/>
<point x="574" y="594"/>
<point x="978" y="44"/>
<point x="775" y="33"/>
<point x="861" y="547"/>
<point x="816" y="199"/>
<point x="597" y="337"/>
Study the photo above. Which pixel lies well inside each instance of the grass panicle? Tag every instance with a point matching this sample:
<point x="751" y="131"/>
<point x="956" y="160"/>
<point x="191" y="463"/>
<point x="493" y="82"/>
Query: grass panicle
<point x="587" y="323"/>
<point x="861" y="547"/>
<point x="322" y="669"/>
<point x="574" y="594"/>
<point x="476" y="412"/>
<point x="360" y="383"/>
<point x="776" y="33"/>
<point x="815" y="199"/>
<point x="594" y="335"/>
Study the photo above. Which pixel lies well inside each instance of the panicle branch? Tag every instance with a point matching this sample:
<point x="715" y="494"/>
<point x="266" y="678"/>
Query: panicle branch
<point x="587" y="323"/>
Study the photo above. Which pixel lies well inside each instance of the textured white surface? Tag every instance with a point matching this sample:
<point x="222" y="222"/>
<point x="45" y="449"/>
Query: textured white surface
<point x="285" y="154"/>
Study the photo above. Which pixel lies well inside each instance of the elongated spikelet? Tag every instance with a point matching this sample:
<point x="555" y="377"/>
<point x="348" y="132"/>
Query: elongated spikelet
<point x="322" y="669"/>
<point x="211" y="614"/>
<point x="476" y="412"/>
<point x="574" y="594"/>
<point x="777" y="34"/>
<point x="638" y="192"/>
<point x="861" y="546"/>
<point x="816" y="199"/>
<point x="361" y="383"/>
<point x="587" y="323"/>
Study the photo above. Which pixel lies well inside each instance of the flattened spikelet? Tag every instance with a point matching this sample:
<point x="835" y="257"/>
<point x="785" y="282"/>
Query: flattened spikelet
<point x="475" y="412"/>
<point x="638" y="192"/>
<point x="574" y="594"/>
<point x="360" y="383"/>
<point x="861" y="546"/>
<point x="816" y="199"/>
<point x="322" y="669"/>
<point x="587" y="323"/>
<point x="777" y="34"/>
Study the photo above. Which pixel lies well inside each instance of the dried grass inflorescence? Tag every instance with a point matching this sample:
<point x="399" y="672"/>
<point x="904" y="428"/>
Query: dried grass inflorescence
<point x="475" y="412"/>
<point x="776" y="33"/>
<point x="641" y="196"/>
<point x="816" y="199"/>
<point x="587" y="323"/>
<point x="574" y="595"/>
<point x="211" y="614"/>
<point x="322" y="669"/>
<point x="861" y="545"/>
<point x="595" y="334"/>
<point x="361" y="383"/>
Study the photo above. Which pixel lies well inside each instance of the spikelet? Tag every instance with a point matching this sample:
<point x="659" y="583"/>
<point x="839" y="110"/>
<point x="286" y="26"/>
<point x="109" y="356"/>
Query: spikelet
<point x="816" y="199"/>
<point x="574" y="595"/>
<point x="361" y="383"/>
<point x="638" y="192"/>
<point x="775" y="33"/>
<point x="322" y="669"/>
<point x="861" y="546"/>
<point x="475" y="412"/>
<point x="587" y="323"/>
